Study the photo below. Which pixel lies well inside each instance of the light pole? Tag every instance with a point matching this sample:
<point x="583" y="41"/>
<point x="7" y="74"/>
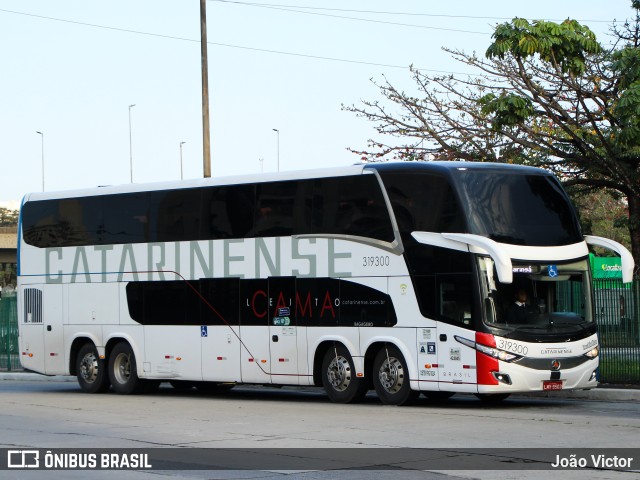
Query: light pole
<point x="42" y="150"/>
<point x="130" y="144"/>
<point x="181" y="143"/>
<point x="278" y="132"/>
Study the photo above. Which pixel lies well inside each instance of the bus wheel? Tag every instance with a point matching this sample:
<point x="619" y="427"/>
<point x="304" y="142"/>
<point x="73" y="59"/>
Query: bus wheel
<point x="339" y="377"/>
<point x="91" y="370"/>
<point x="492" y="397"/>
<point x="123" y="370"/>
<point x="391" y="378"/>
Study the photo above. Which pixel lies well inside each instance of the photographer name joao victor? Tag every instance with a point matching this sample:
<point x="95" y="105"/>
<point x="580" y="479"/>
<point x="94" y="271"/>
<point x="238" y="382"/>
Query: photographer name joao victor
<point x="592" y="461"/>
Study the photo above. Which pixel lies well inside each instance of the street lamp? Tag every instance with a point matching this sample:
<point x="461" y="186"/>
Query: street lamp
<point x="278" y="132"/>
<point x="181" y="143"/>
<point x="130" y="144"/>
<point x="42" y="149"/>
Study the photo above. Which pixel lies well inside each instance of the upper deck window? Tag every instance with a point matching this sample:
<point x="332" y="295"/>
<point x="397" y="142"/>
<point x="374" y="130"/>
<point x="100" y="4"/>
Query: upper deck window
<point x="516" y="208"/>
<point x="423" y="202"/>
<point x="349" y="205"/>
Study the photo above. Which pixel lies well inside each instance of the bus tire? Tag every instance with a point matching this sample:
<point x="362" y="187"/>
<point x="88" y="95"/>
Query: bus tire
<point x="91" y="370"/>
<point x="391" y="378"/>
<point x="339" y="377"/>
<point x="123" y="370"/>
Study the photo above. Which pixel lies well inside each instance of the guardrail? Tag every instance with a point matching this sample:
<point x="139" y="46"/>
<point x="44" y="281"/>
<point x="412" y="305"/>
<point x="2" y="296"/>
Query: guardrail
<point x="617" y="310"/>
<point x="9" y="356"/>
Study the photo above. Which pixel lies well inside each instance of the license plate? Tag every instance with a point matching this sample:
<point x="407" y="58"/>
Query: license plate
<point x="552" y="385"/>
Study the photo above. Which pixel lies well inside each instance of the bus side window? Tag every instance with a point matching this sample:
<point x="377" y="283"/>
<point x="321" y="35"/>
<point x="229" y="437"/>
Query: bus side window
<point x="282" y="208"/>
<point x="229" y="211"/>
<point x="454" y="298"/>
<point x="178" y="214"/>
<point x="352" y="206"/>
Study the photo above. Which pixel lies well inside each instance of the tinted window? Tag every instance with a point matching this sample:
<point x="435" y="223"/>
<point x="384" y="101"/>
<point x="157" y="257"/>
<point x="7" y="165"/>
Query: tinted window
<point x="343" y="205"/>
<point x="219" y="302"/>
<point x="282" y="208"/>
<point x="519" y="209"/>
<point x="351" y="206"/>
<point x="364" y="306"/>
<point x="443" y="280"/>
<point x="163" y="303"/>
<point x="229" y="211"/>
<point x="179" y="214"/>
<point x="423" y="202"/>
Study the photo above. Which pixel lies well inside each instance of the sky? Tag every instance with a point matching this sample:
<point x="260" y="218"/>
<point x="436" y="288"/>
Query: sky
<point x="70" y="69"/>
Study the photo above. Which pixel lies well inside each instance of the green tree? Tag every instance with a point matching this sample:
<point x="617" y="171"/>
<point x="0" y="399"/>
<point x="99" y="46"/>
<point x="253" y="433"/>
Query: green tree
<point x="8" y="218"/>
<point x="546" y="94"/>
<point x="603" y="213"/>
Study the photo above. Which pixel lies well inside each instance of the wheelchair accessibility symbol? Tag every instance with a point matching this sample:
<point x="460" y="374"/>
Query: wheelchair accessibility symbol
<point x="552" y="271"/>
<point x="203" y="331"/>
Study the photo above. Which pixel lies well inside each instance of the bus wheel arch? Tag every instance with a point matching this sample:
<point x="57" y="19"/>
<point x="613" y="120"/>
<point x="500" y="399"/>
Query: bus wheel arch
<point x="338" y="374"/>
<point x="391" y="376"/>
<point x="88" y="367"/>
<point x="123" y="370"/>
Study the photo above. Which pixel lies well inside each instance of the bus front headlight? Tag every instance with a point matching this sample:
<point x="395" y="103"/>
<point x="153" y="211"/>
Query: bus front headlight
<point x="496" y="353"/>
<point x="593" y="353"/>
<point x="491" y="351"/>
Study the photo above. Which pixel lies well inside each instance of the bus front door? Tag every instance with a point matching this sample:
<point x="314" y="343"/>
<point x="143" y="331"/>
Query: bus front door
<point x="456" y="362"/>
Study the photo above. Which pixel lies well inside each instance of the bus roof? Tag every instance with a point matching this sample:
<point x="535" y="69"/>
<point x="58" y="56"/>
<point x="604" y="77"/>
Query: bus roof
<point x="445" y="167"/>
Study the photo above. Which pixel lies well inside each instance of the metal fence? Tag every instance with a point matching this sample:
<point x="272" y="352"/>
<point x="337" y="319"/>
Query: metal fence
<point x="617" y="310"/>
<point x="9" y="359"/>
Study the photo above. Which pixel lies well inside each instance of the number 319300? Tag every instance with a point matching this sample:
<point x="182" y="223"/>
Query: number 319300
<point x="376" y="261"/>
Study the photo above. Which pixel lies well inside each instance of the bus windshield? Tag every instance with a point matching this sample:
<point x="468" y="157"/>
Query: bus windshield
<point x="543" y="298"/>
<point x="519" y="209"/>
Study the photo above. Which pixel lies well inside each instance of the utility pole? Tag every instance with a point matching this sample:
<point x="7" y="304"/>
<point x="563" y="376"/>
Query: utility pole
<point x="278" y="132"/>
<point x="42" y="151"/>
<point x="130" y="144"/>
<point x="206" y="143"/>
<point x="181" y="143"/>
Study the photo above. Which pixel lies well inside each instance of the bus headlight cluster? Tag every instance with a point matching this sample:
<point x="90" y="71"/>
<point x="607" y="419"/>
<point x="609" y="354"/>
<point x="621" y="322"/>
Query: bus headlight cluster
<point x="495" y="353"/>
<point x="491" y="351"/>
<point x="593" y="353"/>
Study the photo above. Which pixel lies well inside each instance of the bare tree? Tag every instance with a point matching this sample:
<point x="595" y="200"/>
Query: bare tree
<point x="545" y="94"/>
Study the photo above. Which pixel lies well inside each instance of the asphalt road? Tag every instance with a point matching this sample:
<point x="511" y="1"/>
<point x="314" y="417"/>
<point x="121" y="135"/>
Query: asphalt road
<point x="58" y="415"/>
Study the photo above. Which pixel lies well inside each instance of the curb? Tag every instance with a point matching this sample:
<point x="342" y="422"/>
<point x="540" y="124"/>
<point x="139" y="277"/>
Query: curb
<point x="596" y="394"/>
<point x="603" y="394"/>
<point x="35" y="377"/>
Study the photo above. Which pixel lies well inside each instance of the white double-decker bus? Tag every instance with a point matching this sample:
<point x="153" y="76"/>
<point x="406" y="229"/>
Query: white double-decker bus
<point x="399" y="277"/>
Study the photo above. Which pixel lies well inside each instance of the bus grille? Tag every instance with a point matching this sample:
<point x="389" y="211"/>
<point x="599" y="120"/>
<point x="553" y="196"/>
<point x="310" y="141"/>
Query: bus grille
<point x="32" y="305"/>
<point x="545" y="363"/>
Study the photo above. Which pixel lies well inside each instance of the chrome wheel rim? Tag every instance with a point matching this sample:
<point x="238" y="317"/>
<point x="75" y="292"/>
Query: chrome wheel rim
<point x="391" y="375"/>
<point x="339" y="374"/>
<point x="89" y="368"/>
<point x="122" y="368"/>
